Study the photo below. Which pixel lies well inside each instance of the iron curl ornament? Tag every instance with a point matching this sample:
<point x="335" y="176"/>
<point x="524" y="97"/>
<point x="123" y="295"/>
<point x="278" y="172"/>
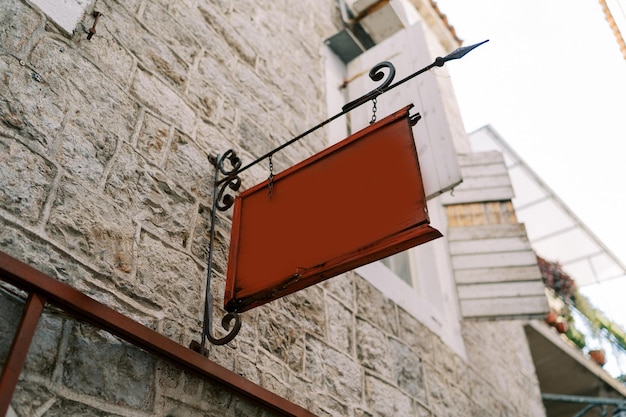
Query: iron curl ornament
<point x="231" y="180"/>
<point x="227" y="181"/>
<point x="222" y="201"/>
<point x="375" y="74"/>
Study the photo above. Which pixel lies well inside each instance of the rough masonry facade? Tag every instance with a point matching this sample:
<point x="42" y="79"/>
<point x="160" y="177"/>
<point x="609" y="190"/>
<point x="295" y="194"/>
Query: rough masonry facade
<point x="105" y="185"/>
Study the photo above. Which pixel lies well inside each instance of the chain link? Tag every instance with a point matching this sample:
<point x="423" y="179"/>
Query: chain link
<point x="374" y="108"/>
<point x="271" y="177"/>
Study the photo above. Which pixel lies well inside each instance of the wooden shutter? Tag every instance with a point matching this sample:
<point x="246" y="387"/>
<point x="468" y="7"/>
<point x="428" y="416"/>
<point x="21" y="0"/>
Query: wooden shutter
<point x="495" y="268"/>
<point x="409" y="52"/>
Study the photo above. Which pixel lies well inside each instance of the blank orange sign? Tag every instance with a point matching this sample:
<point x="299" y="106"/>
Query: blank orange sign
<point x="356" y="202"/>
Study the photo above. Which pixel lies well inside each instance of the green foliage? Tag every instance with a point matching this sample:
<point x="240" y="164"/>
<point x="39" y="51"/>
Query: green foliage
<point x="598" y="319"/>
<point x="577" y="337"/>
<point x="564" y="286"/>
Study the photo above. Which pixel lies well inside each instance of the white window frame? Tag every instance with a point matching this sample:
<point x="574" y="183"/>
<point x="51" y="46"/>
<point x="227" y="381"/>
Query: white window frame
<point x="432" y="298"/>
<point x="66" y="13"/>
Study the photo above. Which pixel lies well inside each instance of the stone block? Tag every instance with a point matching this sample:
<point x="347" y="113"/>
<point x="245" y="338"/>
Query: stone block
<point x="11" y="309"/>
<point x="41" y="255"/>
<point x="149" y="197"/>
<point x="457" y="403"/>
<point x="153" y="54"/>
<point x="204" y="97"/>
<point x="373" y="349"/>
<point x="201" y="238"/>
<point x="252" y="138"/>
<point x="248" y="369"/>
<point x="327" y="406"/>
<point x="85" y="150"/>
<point x="342" y="288"/>
<point x="153" y="138"/>
<point x="18" y="22"/>
<point x="191" y="17"/>
<point x="283" y="338"/>
<point x="333" y="372"/>
<point x="271" y="382"/>
<point x="269" y="364"/>
<point x="173" y="330"/>
<point x="190" y="166"/>
<point x="216" y="397"/>
<point x="385" y="400"/>
<point x="340" y="326"/>
<point x="169" y="378"/>
<point x="30" y="397"/>
<point x="106" y="52"/>
<point x="247" y="341"/>
<point x="211" y="140"/>
<point x="302" y="392"/>
<point x="408" y="372"/>
<point x="161" y="99"/>
<point x="99" y="365"/>
<point x="68" y="408"/>
<point x="239" y="45"/>
<point x="210" y="83"/>
<point x="175" y="35"/>
<point x="43" y="351"/>
<point x="171" y="407"/>
<point x="26" y="180"/>
<point x="374" y="307"/>
<point x="169" y="278"/>
<point x="30" y="104"/>
<point x="306" y="308"/>
<point x="131" y="6"/>
<point x="416" y="335"/>
<point x="89" y="225"/>
<point x="102" y="114"/>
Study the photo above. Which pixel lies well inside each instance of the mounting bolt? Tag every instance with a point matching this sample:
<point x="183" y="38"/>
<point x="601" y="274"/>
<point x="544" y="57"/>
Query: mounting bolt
<point x="92" y="31"/>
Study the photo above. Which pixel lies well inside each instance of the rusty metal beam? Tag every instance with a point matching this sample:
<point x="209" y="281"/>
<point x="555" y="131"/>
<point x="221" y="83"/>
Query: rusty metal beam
<point x="87" y="309"/>
<point x="19" y="349"/>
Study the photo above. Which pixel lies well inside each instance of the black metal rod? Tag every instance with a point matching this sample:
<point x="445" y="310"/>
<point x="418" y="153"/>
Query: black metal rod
<point x="207" y="322"/>
<point x="618" y="402"/>
<point x="590" y="407"/>
<point x="208" y="297"/>
<point x="439" y="62"/>
<point x="284" y="145"/>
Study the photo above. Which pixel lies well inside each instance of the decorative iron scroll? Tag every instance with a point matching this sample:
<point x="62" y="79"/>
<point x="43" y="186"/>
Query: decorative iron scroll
<point x="231" y="181"/>
<point x="376" y="74"/>
<point x="221" y="201"/>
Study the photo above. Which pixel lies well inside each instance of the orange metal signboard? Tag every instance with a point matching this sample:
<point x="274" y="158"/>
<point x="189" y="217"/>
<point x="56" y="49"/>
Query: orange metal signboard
<point x="356" y="202"/>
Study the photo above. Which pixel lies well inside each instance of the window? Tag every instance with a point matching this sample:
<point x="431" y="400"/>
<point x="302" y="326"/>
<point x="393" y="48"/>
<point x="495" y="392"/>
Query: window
<point x="66" y="14"/>
<point x="400" y="264"/>
<point x="419" y="280"/>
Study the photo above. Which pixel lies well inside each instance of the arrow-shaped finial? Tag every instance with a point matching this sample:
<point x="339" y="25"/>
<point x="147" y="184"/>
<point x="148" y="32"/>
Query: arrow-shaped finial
<point x="457" y="54"/>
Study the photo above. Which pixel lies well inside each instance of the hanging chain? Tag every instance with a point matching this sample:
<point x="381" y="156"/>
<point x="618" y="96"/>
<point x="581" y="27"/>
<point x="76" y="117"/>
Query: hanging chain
<point x="271" y="178"/>
<point x="374" y="108"/>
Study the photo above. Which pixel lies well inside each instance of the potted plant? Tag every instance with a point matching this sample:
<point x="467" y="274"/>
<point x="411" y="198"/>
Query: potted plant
<point x="598" y="356"/>
<point x="552" y="317"/>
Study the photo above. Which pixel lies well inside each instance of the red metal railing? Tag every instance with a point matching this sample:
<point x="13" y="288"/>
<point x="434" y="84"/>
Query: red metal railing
<point x="43" y="290"/>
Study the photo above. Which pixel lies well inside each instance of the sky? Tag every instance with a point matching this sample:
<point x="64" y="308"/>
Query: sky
<point x="552" y="82"/>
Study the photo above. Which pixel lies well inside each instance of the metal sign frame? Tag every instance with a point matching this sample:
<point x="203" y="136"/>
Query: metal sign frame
<point x="228" y="168"/>
<point x="356" y="202"/>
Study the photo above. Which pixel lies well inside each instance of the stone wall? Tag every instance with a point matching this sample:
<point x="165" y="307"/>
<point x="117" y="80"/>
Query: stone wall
<point x="106" y="186"/>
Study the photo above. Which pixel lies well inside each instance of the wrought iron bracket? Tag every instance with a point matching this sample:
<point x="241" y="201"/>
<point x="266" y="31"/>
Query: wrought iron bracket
<point x="227" y="166"/>
<point x="227" y="180"/>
